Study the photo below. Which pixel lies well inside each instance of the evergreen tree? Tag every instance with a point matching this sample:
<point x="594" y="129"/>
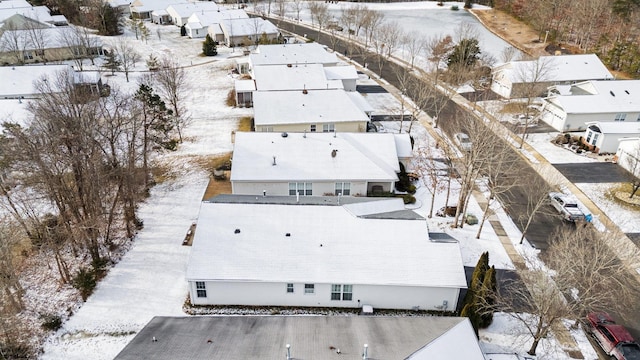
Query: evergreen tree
<point x="486" y="295"/>
<point x="465" y="53"/>
<point x="209" y="47"/>
<point x="183" y="31"/>
<point x="152" y="63"/>
<point x="111" y="24"/>
<point x="112" y="62"/>
<point x="469" y="312"/>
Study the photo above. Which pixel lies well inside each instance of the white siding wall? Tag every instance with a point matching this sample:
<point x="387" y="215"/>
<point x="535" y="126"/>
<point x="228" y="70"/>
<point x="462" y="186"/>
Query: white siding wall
<point x="275" y="294"/>
<point x="627" y="154"/>
<point x="354" y="126"/>
<point x="282" y="188"/>
<point x="349" y="84"/>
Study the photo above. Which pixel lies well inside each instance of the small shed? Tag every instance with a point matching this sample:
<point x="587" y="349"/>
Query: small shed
<point x="605" y="136"/>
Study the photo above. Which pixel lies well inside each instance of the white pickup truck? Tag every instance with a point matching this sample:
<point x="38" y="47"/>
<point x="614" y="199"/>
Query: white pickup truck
<point x="566" y="206"/>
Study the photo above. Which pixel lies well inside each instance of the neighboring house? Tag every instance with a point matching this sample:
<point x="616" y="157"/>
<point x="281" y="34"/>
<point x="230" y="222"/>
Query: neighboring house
<point x="346" y="74"/>
<point x="283" y="54"/>
<point x="628" y="155"/>
<point x="321" y="252"/>
<point x="604" y="137"/>
<point x="161" y="17"/>
<point x="14" y="4"/>
<point x="509" y="79"/>
<point x="180" y="13"/>
<point x="570" y="108"/>
<point x="123" y="5"/>
<point x="142" y="9"/>
<point x="308" y="110"/>
<point x="305" y="337"/>
<point x="316" y="164"/>
<point x="40" y="14"/>
<point x="49" y="44"/>
<point x="404" y="149"/>
<point x="199" y="23"/>
<point x="19" y="82"/>
<point x="245" y="32"/>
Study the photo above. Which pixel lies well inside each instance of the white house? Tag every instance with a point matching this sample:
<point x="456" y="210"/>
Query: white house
<point x="308" y="110"/>
<point x="293" y="77"/>
<point x="245" y="32"/>
<point x="19" y="81"/>
<point x="509" y="78"/>
<point x="628" y="155"/>
<point x="199" y="22"/>
<point x="14" y="4"/>
<point x="305" y="337"/>
<point x="283" y="54"/>
<point x="569" y="108"/>
<point x="36" y="13"/>
<point x="142" y="9"/>
<point x="321" y="252"/>
<point x="604" y="137"/>
<point x="316" y="164"/>
<point x="180" y="13"/>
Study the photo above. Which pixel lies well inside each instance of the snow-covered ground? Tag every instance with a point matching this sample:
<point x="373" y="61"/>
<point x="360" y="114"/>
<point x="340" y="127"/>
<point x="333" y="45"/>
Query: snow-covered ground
<point x="149" y="280"/>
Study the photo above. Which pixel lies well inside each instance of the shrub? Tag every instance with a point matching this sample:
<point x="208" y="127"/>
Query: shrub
<point x="51" y="322"/>
<point x="411" y="189"/>
<point x="408" y="199"/>
<point x="231" y="98"/>
<point x="209" y="46"/>
<point x="455" y="7"/>
<point x="85" y="282"/>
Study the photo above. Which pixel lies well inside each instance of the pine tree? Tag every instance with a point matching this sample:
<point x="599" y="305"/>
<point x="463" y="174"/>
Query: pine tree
<point x="112" y="62"/>
<point x="489" y="287"/>
<point x="183" y="31"/>
<point x="209" y="47"/>
<point x="468" y="311"/>
<point x="152" y="63"/>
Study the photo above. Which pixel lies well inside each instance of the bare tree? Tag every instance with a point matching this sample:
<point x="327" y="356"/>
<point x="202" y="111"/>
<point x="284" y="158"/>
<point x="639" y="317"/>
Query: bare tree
<point x="437" y="50"/>
<point x="81" y="44"/>
<point x="413" y="45"/>
<point x="36" y="36"/>
<point x="431" y="172"/>
<point x="537" y="200"/>
<point x="361" y="19"/>
<point x="280" y="10"/>
<point x="348" y="16"/>
<point x="509" y="53"/>
<point x="373" y="19"/>
<point x="392" y="36"/>
<point x="14" y="42"/>
<point x="319" y="12"/>
<point x="172" y="84"/>
<point x="11" y="291"/>
<point x="533" y="78"/>
<point x="127" y="54"/>
<point x="630" y="158"/>
<point x="298" y="5"/>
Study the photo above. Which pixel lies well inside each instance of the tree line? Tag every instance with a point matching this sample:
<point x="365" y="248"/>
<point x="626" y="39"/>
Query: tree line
<point x="72" y="177"/>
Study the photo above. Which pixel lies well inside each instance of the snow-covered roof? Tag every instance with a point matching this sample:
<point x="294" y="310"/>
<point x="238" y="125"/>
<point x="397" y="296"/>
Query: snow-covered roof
<point x="245" y="85"/>
<point x="307" y="53"/>
<point x="557" y="68"/>
<point x="39" y="13"/>
<point x="346" y="72"/>
<point x="296" y="107"/>
<point x="252" y="337"/>
<point x="353" y="250"/>
<point x="117" y="3"/>
<point x="207" y="18"/>
<point x="150" y="5"/>
<point x="293" y="77"/>
<point x="617" y="127"/>
<point x="14" y="111"/>
<point x="53" y="38"/>
<point x="19" y="80"/>
<point x="14" y="4"/>
<point x="86" y="77"/>
<point x="360" y="101"/>
<point x="188" y="9"/>
<point x="605" y="96"/>
<point x="403" y="146"/>
<point x="248" y="27"/>
<point x="159" y="12"/>
<point x="308" y="157"/>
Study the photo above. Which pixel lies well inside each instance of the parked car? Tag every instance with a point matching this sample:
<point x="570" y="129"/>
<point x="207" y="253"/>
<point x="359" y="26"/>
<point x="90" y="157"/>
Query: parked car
<point x="567" y="206"/>
<point x="463" y="141"/>
<point x="614" y="339"/>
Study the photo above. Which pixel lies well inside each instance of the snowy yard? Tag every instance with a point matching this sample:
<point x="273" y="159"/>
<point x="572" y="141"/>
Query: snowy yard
<point x="150" y="279"/>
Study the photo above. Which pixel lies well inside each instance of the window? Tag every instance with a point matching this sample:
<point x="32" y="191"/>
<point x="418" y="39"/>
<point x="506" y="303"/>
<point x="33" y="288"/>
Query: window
<point x="267" y="129"/>
<point x="589" y="133"/>
<point x="328" y="127"/>
<point x="201" y="289"/>
<point x="313" y="128"/>
<point x="300" y="188"/>
<point x="28" y="55"/>
<point x="341" y="292"/>
<point x="289" y="288"/>
<point x="309" y="288"/>
<point x="595" y="138"/>
<point x="343" y="188"/>
<point x="620" y="117"/>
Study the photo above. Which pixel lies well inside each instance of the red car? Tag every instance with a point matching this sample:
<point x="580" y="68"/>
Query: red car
<point x="614" y="339"/>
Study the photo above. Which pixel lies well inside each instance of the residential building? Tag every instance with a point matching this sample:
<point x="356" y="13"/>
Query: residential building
<point x="604" y="137"/>
<point x="20" y="82"/>
<point x="308" y="110"/>
<point x="199" y="24"/>
<point x="347" y="164"/>
<point x="571" y="107"/>
<point x="329" y="251"/>
<point x="305" y="337"/>
<point x="180" y="13"/>
<point x="142" y="9"/>
<point x="283" y="54"/>
<point x="249" y="31"/>
<point x="510" y="79"/>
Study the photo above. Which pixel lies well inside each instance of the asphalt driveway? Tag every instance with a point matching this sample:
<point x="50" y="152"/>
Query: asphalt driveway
<point x="597" y="172"/>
